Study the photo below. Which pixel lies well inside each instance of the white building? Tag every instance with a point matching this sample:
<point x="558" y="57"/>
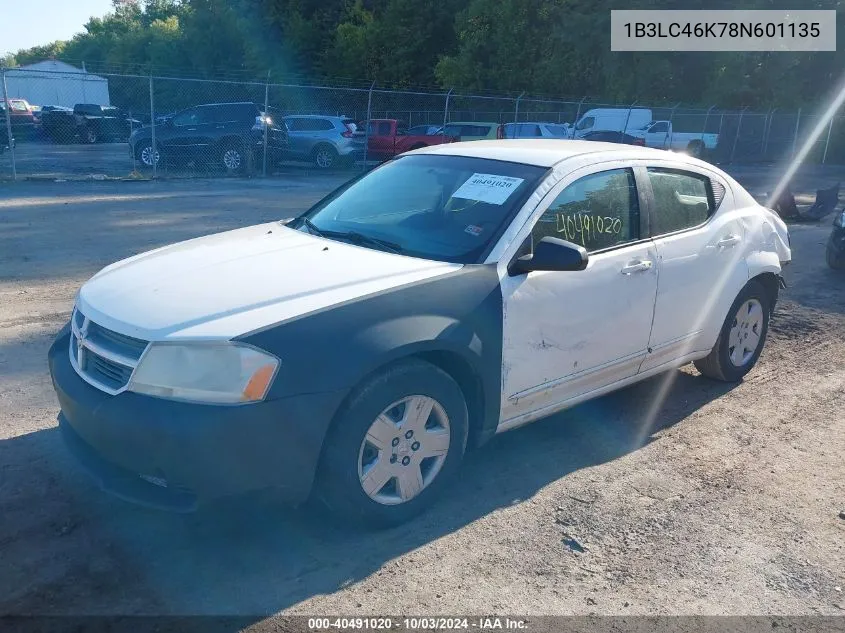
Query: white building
<point x="53" y="82"/>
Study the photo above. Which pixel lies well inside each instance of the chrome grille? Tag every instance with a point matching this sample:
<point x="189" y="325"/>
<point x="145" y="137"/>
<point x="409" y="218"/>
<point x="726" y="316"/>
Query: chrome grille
<point x="103" y="357"/>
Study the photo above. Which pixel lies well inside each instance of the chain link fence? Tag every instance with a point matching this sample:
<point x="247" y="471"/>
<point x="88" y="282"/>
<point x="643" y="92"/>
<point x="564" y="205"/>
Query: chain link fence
<point x="61" y="125"/>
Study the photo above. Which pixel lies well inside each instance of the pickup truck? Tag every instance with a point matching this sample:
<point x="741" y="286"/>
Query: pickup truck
<point x="88" y="122"/>
<point x="661" y="135"/>
<point x="389" y="138"/>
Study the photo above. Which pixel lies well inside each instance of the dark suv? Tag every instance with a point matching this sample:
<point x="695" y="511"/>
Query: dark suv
<point x="226" y="135"/>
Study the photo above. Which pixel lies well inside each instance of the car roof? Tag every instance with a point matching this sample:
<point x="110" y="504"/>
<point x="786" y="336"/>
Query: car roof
<point x="544" y="152"/>
<point x="319" y="116"/>
<point x="471" y="123"/>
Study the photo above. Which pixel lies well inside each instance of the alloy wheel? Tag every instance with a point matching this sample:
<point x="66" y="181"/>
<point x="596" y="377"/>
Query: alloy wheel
<point x="232" y="159"/>
<point x="148" y="156"/>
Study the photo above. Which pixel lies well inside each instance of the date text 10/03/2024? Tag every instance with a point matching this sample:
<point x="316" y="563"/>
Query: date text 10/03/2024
<point x="417" y="623"/>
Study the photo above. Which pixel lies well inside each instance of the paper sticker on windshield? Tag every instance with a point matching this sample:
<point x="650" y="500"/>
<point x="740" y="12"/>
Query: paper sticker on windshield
<point x="488" y="188"/>
<point x="472" y="229"/>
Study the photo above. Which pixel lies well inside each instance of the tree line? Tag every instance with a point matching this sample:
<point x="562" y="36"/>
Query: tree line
<point x="559" y="48"/>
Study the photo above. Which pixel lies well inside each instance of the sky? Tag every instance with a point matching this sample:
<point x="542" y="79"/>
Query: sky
<point x="27" y="23"/>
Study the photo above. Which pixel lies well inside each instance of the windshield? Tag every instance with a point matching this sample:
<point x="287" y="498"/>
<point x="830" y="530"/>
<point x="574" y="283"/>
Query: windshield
<point x="446" y="208"/>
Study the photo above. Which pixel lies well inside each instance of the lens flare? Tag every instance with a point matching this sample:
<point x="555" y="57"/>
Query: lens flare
<point x="668" y="379"/>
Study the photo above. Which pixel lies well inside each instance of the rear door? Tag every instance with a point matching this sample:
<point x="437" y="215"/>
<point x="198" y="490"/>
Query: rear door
<point x="700" y="242"/>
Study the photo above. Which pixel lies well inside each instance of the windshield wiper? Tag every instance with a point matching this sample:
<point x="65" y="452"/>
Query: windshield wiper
<point x="360" y="238"/>
<point x="311" y="226"/>
<point x="353" y="236"/>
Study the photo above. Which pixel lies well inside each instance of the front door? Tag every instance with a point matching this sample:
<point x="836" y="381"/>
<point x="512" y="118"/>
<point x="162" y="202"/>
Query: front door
<point x="566" y="334"/>
<point x="189" y="134"/>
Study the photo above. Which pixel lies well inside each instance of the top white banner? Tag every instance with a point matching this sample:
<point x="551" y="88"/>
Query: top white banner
<point x="788" y="31"/>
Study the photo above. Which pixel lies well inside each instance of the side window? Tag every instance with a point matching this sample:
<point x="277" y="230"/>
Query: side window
<point x="322" y="125"/>
<point x="586" y="123"/>
<point x="662" y="126"/>
<point x="235" y="113"/>
<point x="383" y="128"/>
<point x="682" y="200"/>
<point x="597" y="211"/>
<point x="194" y="116"/>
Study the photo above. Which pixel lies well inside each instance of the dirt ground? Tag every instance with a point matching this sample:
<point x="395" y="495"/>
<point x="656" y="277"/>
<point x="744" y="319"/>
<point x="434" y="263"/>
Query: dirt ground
<point x="675" y="496"/>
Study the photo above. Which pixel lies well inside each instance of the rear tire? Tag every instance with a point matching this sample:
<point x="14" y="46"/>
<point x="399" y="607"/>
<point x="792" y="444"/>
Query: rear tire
<point x="695" y="149"/>
<point x="324" y="156"/>
<point x="89" y="135"/>
<point x="377" y="467"/>
<point x="742" y="336"/>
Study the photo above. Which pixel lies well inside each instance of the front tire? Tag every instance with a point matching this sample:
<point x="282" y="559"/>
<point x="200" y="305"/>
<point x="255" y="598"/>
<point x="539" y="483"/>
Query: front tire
<point x="742" y="336"/>
<point x="147" y="155"/>
<point x="394" y="446"/>
<point x="233" y="158"/>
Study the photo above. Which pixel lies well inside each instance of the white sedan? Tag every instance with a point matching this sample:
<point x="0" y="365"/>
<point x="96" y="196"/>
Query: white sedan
<point x="354" y="353"/>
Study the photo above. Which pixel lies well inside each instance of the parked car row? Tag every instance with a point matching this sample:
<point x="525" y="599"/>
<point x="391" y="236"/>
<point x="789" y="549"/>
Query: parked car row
<point x="232" y="135"/>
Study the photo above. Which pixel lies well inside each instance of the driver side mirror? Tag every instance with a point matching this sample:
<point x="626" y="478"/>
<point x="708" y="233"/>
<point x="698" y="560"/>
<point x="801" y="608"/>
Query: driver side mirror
<point x="551" y="253"/>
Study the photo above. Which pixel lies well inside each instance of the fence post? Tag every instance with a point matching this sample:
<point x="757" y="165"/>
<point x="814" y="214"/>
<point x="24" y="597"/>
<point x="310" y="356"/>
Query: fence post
<point x="706" y="117"/>
<point x="768" y="133"/>
<point x="367" y="124"/>
<point x="516" y="109"/>
<point x="10" y="138"/>
<point x="671" y="127"/>
<point x="795" y="135"/>
<point x="827" y="142"/>
<point x="265" y="122"/>
<point x="628" y="118"/>
<point x="577" y="114"/>
<point x="153" y="130"/>
<point x="446" y="110"/>
<point x="763" y="139"/>
<point x="736" y="138"/>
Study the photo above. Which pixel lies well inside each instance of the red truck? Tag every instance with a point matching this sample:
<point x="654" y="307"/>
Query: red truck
<point x="389" y="137"/>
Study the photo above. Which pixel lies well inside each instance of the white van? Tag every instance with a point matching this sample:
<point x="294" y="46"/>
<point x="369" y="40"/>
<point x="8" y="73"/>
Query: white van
<point x="612" y="120"/>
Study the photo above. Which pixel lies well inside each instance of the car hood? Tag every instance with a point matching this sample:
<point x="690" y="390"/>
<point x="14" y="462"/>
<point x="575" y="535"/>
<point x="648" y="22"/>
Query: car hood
<point x="229" y="284"/>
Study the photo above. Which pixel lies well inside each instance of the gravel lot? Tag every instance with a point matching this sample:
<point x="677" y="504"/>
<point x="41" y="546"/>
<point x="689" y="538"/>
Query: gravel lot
<point x="675" y="496"/>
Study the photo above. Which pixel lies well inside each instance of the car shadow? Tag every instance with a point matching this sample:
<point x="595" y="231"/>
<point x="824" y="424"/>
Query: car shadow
<point x="251" y="557"/>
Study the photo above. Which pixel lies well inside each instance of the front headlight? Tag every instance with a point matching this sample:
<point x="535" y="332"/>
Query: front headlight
<point x="840" y="220"/>
<point x="212" y="373"/>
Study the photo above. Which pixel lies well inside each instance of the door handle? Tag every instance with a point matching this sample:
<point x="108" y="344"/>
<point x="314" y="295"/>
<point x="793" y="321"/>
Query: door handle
<point x="727" y="241"/>
<point x="637" y="266"/>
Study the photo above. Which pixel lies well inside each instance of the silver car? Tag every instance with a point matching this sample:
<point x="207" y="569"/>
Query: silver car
<point x="325" y="141"/>
<point x="536" y="130"/>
